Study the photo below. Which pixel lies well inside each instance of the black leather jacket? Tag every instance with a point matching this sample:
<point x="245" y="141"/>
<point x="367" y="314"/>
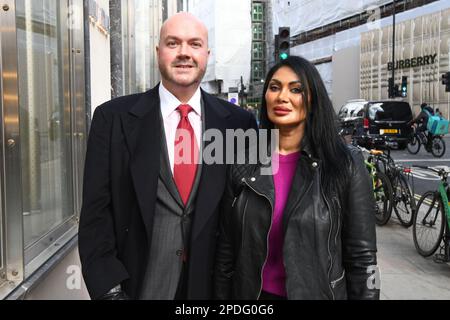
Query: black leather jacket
<point x="329" y="247"/>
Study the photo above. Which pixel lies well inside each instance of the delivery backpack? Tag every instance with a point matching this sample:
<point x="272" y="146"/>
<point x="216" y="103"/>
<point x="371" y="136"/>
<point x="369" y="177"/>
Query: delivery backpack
<point x="436" y="125"/>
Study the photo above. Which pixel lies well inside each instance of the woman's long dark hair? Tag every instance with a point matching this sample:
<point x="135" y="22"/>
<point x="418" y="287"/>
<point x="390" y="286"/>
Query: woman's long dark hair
<point x="321" y="130"/>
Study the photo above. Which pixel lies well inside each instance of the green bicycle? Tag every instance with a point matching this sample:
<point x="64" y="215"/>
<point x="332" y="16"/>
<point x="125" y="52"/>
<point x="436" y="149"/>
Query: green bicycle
<point x="431" y="227"/>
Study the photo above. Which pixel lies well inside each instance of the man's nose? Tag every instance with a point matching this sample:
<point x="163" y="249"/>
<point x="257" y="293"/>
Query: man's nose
<point x="184" y="50"/>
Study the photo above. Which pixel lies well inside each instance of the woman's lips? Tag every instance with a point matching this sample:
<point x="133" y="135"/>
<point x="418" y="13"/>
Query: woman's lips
<point x="279" y="111"/>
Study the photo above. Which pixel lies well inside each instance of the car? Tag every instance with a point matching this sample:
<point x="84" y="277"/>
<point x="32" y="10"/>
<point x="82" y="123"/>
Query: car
<point x="350" y="115"/>
<point x="352" y="110"/>
<point x="378" y="124"/>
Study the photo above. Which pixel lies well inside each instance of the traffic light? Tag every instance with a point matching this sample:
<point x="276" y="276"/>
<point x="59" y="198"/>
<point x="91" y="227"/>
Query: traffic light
<point x="391" y="93"/>
<point x="284" y="42"/>
<point x="446" y="81"/>
<point x="404" y="91"/>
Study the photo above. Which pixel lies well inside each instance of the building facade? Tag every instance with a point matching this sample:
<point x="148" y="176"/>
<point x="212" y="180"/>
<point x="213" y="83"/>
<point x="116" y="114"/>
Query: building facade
<point x="421" y="57"/>
<point x="259" y="53"/>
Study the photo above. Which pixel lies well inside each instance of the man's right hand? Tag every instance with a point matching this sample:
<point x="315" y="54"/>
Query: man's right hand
<point x="119" y="295"/>
<point x="115" y="293"/>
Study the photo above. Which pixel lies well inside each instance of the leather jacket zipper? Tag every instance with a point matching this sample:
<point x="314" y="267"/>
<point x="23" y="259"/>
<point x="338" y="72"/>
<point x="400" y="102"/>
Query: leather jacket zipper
<point x="243" y="222"/>
<point x="234" y="201"/>
<point x="339" y="209"/>
<point x="333" y="283"/>
<point x="328" y="245"/>
<point x="267" y="238"/>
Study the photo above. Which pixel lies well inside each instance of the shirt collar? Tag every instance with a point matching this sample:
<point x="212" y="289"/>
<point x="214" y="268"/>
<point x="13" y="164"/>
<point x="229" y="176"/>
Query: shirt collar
<point x="169" y="103"/>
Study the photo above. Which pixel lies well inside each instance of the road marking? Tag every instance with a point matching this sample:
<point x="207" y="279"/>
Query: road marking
<point x="427" y="201"/>
<point x="420" y="160"/>
<point x="424" y="174"/>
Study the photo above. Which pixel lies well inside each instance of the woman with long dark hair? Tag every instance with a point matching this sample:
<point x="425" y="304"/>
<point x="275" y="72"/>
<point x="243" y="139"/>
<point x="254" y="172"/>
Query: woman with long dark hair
<point x="306" y="231"/>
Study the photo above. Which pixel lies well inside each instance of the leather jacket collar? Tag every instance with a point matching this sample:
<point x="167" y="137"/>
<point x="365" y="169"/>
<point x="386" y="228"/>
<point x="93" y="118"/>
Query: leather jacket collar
<point x="261" y="179"/>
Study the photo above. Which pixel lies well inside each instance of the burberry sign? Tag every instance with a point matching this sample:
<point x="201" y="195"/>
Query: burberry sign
<point x="413" y="62"/>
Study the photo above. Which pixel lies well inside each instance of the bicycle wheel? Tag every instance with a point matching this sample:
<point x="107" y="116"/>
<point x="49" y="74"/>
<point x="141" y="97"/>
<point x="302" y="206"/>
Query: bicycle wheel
<point x="413" y="145"/>
<point x="437" y="147"/>
<point x="404" y="202"/>
<point x="383" y="197"/>
<point x="429" y="223"/>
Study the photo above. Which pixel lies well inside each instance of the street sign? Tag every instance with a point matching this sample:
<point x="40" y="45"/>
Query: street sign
<point x="233" y="97"/>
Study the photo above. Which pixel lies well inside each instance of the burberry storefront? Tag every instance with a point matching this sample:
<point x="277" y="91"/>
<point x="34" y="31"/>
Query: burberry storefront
<point x="421" y="55"/>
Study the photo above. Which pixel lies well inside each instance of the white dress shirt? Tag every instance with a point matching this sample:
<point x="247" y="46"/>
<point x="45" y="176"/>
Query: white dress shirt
<point x="171" y="118"/>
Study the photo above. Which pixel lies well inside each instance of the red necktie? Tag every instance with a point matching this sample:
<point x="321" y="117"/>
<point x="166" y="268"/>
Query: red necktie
<point x="186" y="154"/>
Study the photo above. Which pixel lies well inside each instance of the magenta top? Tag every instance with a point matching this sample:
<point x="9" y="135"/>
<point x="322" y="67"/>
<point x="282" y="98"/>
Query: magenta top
<point x="274" y="276"/>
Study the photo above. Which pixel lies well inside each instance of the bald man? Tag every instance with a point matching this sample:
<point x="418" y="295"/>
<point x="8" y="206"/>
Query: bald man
<point x="148" y="223"/>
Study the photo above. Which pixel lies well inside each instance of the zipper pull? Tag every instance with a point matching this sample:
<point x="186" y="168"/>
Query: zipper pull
<point x="234" y="200"/>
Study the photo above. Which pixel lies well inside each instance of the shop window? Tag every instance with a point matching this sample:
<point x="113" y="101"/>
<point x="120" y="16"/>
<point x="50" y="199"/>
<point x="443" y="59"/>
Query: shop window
<point x="45" y="122"/>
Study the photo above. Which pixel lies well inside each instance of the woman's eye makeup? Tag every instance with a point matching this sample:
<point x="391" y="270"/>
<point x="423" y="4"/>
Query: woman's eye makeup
<point x="297" y="89"/>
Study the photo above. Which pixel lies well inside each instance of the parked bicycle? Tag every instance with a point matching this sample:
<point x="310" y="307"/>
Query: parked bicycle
<point x="432" y="143"/>
<point x="382" y="189"/>
<point x="403" y="201"/>
<point x="431" y="227"/>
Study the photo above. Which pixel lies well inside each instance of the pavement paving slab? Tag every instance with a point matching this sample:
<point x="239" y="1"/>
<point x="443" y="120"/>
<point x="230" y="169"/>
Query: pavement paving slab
<point x="405" y="274"/>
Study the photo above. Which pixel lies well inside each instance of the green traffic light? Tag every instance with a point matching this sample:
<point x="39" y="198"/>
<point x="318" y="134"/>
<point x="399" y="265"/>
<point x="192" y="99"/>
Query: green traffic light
<point x="284" y="56"/>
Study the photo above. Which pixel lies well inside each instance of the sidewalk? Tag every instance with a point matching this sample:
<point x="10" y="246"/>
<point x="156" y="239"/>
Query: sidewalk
<point x="404" y="273"/>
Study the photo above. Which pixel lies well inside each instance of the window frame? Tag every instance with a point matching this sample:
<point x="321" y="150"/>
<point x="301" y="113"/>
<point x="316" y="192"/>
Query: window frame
<point x="257" y="75"/>
<point x="260" y="48"/>
<point x="258" y="11"/>
<point x="258" y="31"/>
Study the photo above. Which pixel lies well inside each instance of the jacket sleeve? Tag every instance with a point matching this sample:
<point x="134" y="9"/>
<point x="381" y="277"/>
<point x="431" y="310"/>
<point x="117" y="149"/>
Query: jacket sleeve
<point x="224" y="264"/>
<point x="359" y="235"/>
<point x="101" y="268"/>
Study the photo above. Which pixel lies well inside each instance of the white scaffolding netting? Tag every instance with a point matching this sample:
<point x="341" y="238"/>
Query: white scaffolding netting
<point x="304" y="15"/>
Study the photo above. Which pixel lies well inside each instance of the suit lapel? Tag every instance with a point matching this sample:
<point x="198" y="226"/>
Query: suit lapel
<point x="141" y="127"/>
<point x="212" y="179"/>
<point x="166" y="171"/>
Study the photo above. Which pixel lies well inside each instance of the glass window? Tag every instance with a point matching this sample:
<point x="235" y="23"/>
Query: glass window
<point x="257" y="71"/>
<point x="395" y="110"/>
<point x="258" y="31"/>
<point x="45" y="122"/>
<point x="258" y="12"/>
<point x="258" y="51"/>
